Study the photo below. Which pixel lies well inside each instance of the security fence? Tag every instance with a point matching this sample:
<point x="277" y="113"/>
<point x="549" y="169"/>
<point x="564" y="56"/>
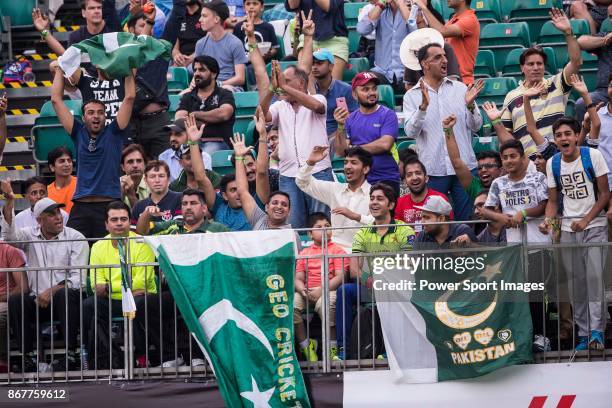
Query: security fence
<point x="79" y="334"/>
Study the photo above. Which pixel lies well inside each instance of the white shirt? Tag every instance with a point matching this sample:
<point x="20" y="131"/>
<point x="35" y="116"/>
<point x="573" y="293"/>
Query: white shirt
<point x="336" y="195"/>
<point x="26" y="219"/>
<point x="299" y="132"/>
<point x="578" y="191"/>
<point x="426" y="127"/>
<point x="172" y="160"/>
<point x="55" y="252"/>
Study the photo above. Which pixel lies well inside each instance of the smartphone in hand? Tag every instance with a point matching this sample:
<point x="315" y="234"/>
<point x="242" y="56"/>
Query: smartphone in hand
<point x="341" y="103"/>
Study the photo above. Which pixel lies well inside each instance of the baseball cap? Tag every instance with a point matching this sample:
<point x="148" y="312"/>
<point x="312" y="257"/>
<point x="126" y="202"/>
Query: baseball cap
<point x="437" y="205"/>
<point x="184" y="149"/>
<point x="177" y="126"/>
<point x="363" y="78"/>
<point x="45" y="205"/>
<point x="323" y="55"/>
<point x="219" y="7"/>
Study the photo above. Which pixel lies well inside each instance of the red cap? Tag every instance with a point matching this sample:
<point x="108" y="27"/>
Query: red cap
<point x="363" y="78"/>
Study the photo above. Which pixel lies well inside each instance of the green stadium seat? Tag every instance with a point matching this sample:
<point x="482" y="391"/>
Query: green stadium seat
<point x="281" y="48"/>
<point x="351" y="12"/>
<point x="249" y="136"/>
<point x="246" y="103"/>
<point x="504" y="37"/>
<point x="338" y="164"/>
<point x="340" y="177"/>
<point x="442" y="7"/>
<point x="481" y="144"/>
<point x="487" y="11"/>
<point x="485" y="64"/>
<point x="590" y="66"/>
<point x="221" y="162"/>
<point x="496" y="89"/>
<point x="354" y="38"/>
<point x="178" y="79"/>
<point x="606" y="26"/>
<point x="551" y="37"/>
<point x="355" y="66"/>
<point x="20" y="12"/>
<point x="405" y="144"/>
<point x="174" y="104"/>
<point x="512" y="68"/>
<point x="47" y="132"/>
<point x="386" y="97"/>
<point x="533" y="12"/>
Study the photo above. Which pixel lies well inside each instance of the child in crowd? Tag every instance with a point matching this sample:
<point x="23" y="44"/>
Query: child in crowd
<point x="308" y="289"/>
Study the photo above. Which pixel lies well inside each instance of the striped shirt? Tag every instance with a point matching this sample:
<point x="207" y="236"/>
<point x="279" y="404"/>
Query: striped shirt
<point x="546" y="110"/>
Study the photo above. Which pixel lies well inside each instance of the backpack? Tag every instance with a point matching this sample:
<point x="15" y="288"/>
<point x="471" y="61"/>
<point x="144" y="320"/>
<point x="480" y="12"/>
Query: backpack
<point x="366" y="335"/>
<point x="17" y="71"/>
<point x="587" y="164"/>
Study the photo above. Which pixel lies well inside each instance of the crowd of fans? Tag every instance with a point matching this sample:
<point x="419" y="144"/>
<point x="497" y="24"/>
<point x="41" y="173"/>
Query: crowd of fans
<point x="140" y="173"/>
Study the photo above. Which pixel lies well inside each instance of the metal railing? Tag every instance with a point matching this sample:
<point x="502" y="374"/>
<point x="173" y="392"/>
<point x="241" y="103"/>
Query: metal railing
<point x="111" y="346"/>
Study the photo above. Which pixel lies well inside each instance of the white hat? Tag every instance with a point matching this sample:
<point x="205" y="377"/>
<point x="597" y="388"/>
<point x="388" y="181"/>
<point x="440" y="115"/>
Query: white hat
<point x="414" y="42"/>
<point x="44" y="205"/>
<point x="437" y="205"/>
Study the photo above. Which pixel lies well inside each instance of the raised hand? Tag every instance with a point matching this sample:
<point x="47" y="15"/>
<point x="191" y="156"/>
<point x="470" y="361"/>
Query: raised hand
<point x="560" y="21"/>
<point x="249" y="26"/>
<point x="135" y="7"/>
<point x="449" y="122"/>
<point x="308" y="26"/>
<point x="127" y="184"/>
<point x="280" y="76"/>
<point x="491" y="110"/>
<point x="340" y="115"/>
<point x="473" y="91"/>
<point x="579" y="84"/>
<point x="260" y="122"/>
<point x="7" y="189"/>
<point x="191" y="127"/>
<point x="240" y="148"/>
<point x="424" y="95"/>
<point x="318" y="153"/>
<point x="40" y="20"/>
<point x="274" y="74"/>
<point x="149" y="10"/>
<point x="536" y="90"/>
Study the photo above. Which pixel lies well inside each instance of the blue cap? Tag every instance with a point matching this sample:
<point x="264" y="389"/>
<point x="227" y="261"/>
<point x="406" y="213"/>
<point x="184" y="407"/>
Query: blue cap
<point x="323" y="54"/>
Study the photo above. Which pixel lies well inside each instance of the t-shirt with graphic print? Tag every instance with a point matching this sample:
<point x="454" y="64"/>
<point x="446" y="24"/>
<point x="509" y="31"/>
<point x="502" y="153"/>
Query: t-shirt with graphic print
<point x="515" y="196"/>
<point x="577" y="191"/>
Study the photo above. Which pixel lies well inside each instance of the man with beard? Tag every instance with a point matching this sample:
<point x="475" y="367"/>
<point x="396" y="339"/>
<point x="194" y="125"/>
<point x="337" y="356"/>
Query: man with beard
<point x="320" y="65"/>
<point x="98" y="148"/>
<point x="188" y="177"/>
<point x="348" y="201"/>
<point x="493" y="232"/>
<point x="162" y="204"/>
<point x="432" y="99"/>
<point x="212" y="105"/>
<point x="178" y="137"/>
<point x="416" y="180"/>
<point x="374" y="127"/>
<point x="437" y="233"/>
<point x="278" y="206"/>
<point x="133" y="186"/>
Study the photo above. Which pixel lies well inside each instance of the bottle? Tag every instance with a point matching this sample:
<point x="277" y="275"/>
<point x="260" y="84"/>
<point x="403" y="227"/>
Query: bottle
<point x="412" y="24"/>
<point x="84" y="358"/>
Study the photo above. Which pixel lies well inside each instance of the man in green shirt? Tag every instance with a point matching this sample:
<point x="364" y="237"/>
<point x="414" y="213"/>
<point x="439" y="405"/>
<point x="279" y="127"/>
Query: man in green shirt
<point x="372" y="238"/>
<point x="187" y="178"/>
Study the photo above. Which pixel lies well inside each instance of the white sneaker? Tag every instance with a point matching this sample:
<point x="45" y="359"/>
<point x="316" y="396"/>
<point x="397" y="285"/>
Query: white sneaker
<point x="197" y="362"/>
<point x="173" y="363"/>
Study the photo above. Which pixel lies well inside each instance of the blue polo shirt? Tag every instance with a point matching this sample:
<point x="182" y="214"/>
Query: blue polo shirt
<point x="336" y="90"/>
<point x="234" y="218"/>
<point x="330" y="24"/>
<point x="98" y="167"/>
<point x="363" y="128"/>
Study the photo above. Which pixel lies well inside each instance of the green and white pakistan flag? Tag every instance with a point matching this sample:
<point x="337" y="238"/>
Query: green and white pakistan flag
<point x="442" y="329"/>
<point x="235" y="292"/>
<point x="114" y="53"/>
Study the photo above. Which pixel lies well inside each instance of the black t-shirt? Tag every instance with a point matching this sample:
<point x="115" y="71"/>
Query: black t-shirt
<point x="152" y="84"/>
<point x="264" y="32"/>
<point x="170" y="205"/>
<point x="190" y="32"/>
<point x="82" y="34"/>
<point x="191" y="102"/>
<point x="110" y="92"/>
